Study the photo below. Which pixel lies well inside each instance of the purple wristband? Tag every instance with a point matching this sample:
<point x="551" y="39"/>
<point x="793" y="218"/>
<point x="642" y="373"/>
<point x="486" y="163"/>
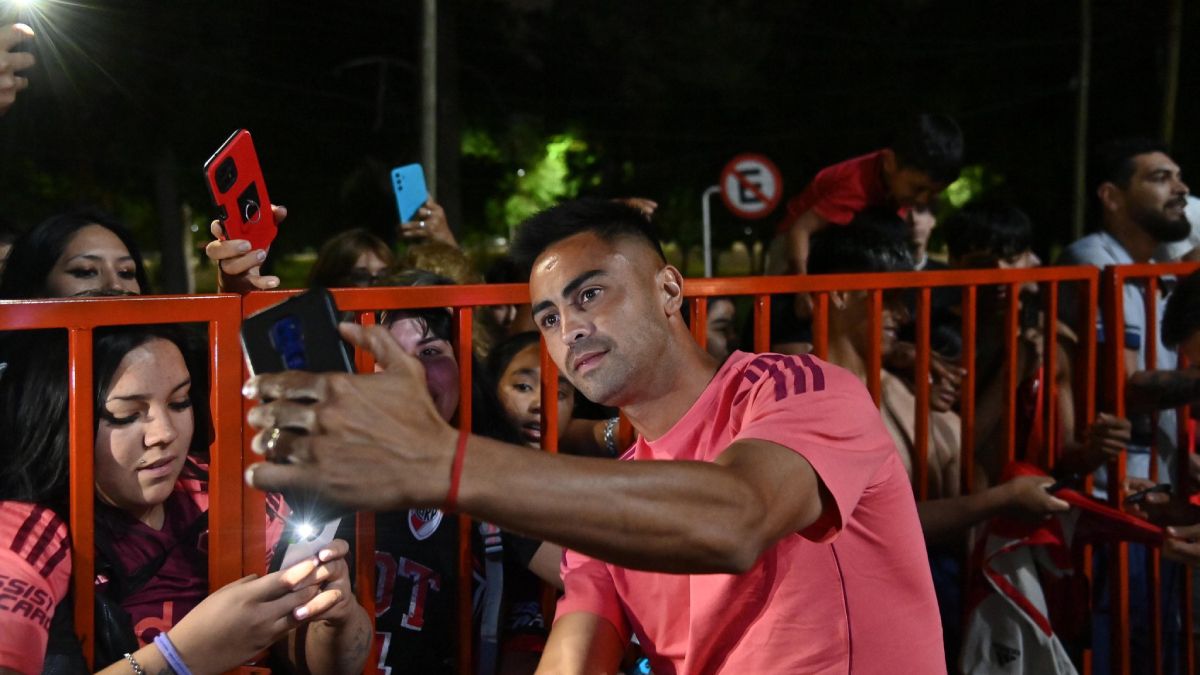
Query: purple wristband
<point x="168" y="651"/>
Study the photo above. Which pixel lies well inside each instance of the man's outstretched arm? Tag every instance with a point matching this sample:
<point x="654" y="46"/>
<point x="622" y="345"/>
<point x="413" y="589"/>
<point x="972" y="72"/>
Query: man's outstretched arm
<point x="1148" y="391"/>
<point x="377" y="442"/>
<point x="1151" y="390"/>
<point x="671" y="516"/>
<point x="582" y="643"/>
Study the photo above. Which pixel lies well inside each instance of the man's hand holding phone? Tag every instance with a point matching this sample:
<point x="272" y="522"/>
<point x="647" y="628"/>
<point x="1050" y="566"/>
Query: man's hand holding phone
<point x="12" y="62"/>
<point x="239" y="265"/>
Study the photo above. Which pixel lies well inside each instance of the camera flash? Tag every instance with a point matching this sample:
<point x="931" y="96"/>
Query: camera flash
<point x="306" y="530"/>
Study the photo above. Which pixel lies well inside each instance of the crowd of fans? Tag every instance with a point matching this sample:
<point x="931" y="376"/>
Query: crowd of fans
<point x="872" y="213"/>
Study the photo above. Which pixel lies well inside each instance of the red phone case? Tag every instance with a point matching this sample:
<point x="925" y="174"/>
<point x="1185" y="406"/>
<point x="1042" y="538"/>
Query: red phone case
<point x="239" y="193"/>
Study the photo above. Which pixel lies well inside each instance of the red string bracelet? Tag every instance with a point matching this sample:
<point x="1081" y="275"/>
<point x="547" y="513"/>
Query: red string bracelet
<point x="456" y="468"/>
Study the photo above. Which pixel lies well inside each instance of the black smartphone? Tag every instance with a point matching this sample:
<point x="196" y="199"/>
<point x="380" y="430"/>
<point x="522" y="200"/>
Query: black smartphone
<point x="299" y="333"/>
<point x="1141" y="495"/>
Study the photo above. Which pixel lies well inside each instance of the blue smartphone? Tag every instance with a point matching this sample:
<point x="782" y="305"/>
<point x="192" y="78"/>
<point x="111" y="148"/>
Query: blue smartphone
<point x="408" y="182"/>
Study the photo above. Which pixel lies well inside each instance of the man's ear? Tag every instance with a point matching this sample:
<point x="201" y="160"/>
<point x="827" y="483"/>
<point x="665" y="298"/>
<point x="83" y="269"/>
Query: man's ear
<point x="670" y="282"/>
<point x="1110" y="196"/>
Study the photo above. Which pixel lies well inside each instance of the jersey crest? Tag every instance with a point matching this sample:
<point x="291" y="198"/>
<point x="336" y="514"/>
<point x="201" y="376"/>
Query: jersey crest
<point x="424" y="522"/>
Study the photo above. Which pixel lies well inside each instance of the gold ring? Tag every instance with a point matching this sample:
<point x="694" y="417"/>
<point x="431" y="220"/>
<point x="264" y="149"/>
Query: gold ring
<point x="272" y="439"/>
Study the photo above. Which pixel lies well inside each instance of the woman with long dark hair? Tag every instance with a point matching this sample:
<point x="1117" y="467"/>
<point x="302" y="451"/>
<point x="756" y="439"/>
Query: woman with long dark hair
<point x="154" y="612"/>
<point x="72" y="254"/>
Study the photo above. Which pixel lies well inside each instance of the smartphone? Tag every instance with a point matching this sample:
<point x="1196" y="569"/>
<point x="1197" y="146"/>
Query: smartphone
<point x="299" y="333"/>
<point x="239" y="193"/>
<point x="408" y="182"/>
<point x="302" y="540"/>
<point x="1141" y="495"/>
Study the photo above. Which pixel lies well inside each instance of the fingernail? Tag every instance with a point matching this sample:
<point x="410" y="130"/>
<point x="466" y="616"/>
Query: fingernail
<point x="272" y="283"/>
<point x="301" y="613"/>
<point x="249" y="390"/>
<point x="243" y="246"/>
<point x="249" y="475"/>
<point x="261" y="255"/>
<point x="324" y="555"/>
<point x="1172" y="531"/>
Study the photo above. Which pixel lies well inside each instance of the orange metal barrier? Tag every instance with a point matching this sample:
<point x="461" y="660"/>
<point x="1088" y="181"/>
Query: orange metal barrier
<point x="365" y="302"/>
<point x="1149" y="278"/>
<point x="464" y="299"/>
<point x="242" y="510"/>
<point x="79" y="318"/>
<point x="923" y="282"/>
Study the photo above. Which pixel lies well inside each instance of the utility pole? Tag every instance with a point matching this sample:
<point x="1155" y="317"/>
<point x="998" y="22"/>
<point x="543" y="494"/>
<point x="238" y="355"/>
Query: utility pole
<point x="429" y="92"/>
<point x="1171" y="85"/>
<point x="1079" y="211"/>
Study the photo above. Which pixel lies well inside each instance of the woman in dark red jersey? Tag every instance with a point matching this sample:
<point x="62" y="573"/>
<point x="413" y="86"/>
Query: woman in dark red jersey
<point x="154" y="611"/>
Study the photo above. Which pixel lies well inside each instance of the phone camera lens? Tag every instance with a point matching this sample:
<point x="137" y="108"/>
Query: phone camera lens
<point x="226" y="174"/>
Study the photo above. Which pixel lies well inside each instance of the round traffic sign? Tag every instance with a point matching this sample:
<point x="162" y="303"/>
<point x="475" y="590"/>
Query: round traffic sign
<point x="751" y="186"/>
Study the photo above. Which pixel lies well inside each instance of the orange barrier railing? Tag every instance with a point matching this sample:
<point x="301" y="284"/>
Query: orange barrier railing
<point x="365" y="303"/>
<point x="222" y="314"/>
<point x="1147" y="281"/>
<point x="1050" y="279"/>
<point x="463" y="299"/>
<point x="239" y="510"/>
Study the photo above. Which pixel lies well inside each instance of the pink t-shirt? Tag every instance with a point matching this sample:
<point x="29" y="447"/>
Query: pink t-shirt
<point x="856" y="597"/>
<point x="35" y="570"/>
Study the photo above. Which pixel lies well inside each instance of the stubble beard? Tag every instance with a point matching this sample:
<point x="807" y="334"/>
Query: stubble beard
<point x="601" y="384"/>
<point x="1163" y="229"/>
<point x="604" y="384"/>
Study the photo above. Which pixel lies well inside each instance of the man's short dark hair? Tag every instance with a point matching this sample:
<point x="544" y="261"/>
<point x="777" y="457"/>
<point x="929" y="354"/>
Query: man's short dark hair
<point x="931" y="144"/>
<point x="1181" y="317"/>
<point x="861" y="246"/>
<point x="608" y="220"/>
<point x="1112" y="162"/>
<point x="990" y="227"/>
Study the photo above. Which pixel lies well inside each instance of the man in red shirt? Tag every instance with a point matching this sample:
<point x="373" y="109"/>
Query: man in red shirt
<point x="925" y="157"/>
<point x="779" y="535"/>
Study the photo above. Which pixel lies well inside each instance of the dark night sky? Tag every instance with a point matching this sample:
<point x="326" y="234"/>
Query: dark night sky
<point x="670" y="89"/>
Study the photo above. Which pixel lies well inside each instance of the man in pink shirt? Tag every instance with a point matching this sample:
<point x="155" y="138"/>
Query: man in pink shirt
<point x="780" y="537"/>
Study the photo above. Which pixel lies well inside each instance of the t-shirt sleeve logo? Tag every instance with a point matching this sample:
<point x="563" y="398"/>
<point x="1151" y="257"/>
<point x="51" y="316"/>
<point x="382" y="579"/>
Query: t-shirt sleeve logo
<point x="797" y="374"/>
<point x="41" y="541"/>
